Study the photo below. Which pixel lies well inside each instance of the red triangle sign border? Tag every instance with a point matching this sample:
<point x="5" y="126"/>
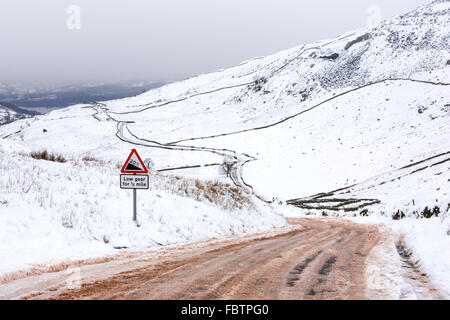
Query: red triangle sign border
<point x="134" y="151"/>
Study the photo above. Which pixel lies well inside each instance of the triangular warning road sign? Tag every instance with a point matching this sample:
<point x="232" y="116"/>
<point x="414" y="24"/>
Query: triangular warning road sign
<point x="134" y="164"/>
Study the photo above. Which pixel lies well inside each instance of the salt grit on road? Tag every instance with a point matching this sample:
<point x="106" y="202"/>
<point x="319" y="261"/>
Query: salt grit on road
<point x="310" y="259"/>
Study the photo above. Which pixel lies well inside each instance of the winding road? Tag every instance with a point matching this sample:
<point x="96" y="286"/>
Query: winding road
<point x="241" y="159"/>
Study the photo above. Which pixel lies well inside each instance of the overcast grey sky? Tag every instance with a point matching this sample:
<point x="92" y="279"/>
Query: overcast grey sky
<point x="163" y="39"/>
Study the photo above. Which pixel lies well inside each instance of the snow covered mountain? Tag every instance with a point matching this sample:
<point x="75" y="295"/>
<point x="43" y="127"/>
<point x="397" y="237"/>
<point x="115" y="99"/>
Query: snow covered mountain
<point x="9" y="113"/>
<point x="356" y="125"/>
<point x="308" y="120"/>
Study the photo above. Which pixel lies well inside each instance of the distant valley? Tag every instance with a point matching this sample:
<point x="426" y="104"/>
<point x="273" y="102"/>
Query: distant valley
<point x="43" y="99"/>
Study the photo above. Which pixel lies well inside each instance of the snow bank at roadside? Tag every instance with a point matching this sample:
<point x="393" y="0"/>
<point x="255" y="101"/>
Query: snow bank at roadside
<point x="428" y="240"/>
<point x="52" y="212"/>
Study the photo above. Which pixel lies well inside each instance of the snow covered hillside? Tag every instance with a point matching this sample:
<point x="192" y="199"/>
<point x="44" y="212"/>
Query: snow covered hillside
<point x="366" y="114"/>
<point x="9" y="114"/>
<point x="308" y="120"/>
<point x="53" y="211"/>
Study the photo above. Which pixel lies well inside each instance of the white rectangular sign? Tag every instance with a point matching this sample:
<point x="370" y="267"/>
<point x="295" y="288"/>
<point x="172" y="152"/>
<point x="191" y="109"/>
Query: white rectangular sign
<point x="131" y="181"/>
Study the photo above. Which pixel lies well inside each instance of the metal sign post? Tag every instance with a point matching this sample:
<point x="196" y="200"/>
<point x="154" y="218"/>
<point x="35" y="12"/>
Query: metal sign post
<point x="135" y="177"/>
<point x="134" y="206"/>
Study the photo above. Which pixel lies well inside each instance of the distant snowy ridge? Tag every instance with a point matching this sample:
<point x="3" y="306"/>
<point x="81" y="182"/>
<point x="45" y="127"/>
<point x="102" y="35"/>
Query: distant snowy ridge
<point x="10" y="113"/>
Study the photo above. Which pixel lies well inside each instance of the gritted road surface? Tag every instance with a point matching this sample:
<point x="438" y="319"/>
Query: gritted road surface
<point x="311" y="259"/>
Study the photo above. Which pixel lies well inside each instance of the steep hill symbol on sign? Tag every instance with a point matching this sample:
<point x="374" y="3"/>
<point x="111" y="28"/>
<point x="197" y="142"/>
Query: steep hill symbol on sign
<point x="134" y="164"/>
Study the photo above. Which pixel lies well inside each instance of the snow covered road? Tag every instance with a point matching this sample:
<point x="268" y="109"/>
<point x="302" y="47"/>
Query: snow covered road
<point x="310" y="259"/>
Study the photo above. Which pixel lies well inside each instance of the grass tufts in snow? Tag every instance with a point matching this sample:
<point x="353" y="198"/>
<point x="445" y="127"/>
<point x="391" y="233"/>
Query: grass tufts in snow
<point x="428" y="214"/>
<point x="89" y="159"/>
<point x="399" y="215"/>
<point x="223" y="195"/>
<point x="45" y="155"/>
